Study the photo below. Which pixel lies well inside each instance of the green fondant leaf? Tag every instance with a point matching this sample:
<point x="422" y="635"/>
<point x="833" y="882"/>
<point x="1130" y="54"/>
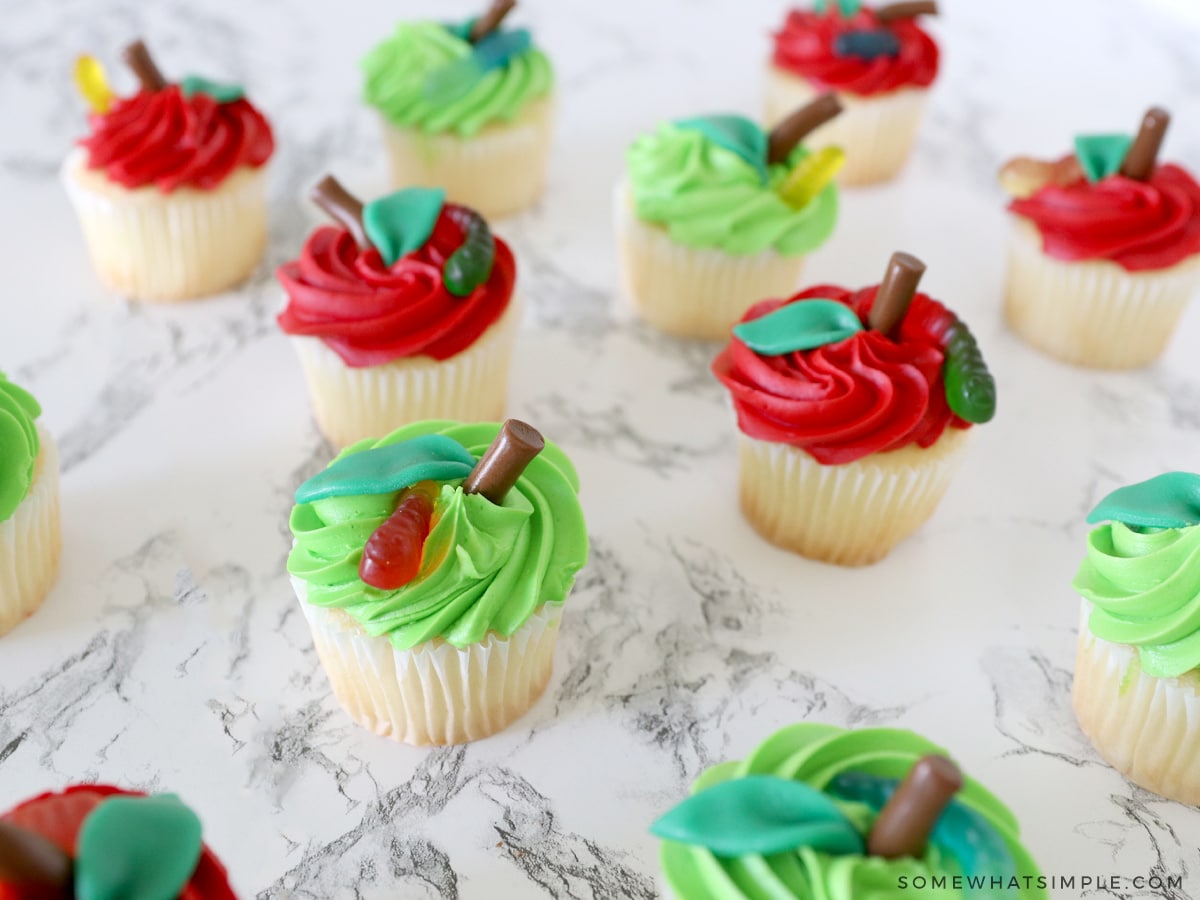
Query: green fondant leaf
<point x="1101" y="155"/>
<point x="736" y="134"/>
<point x="802" y="325"/>
<point x="136" y="848"/>
<point x="401" y="222"/>
<point x="1170" y="500"/>
<point x="760" y="814"/>
<point x="222" y="93"/>
<point x="847" y="8"/>
<point x="387" y="469"/>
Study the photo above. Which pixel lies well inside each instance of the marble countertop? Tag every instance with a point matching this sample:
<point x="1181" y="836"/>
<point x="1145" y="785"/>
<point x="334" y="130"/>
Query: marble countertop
<point x="171" y="655"/>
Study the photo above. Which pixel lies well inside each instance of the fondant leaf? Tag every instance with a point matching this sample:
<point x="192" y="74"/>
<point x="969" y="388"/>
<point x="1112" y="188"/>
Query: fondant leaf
<point x="387" y="469"/>
<point x="867" y="44"/>
<point x="221" y="92"/>
<point x="847" y="8"/>
<point x="402" y="221"/>
<point x="736" y="134"/>
<point x="759" y="814"/>
<point x="452" y="81"/>
<point x="802" y="325"/>
<point x="1170" y="500"/>
<point x="1101" y="155"/>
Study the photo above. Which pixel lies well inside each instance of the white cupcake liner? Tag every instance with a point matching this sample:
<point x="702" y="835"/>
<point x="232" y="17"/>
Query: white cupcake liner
<point x="499" y="171"/>
<point x="851" y="514"/>
<point x="350" y="404"/>
<point x="189" y="243"/>
<point x="31" y="543"/>
<point x="688" y="291"/>
<point x="435" y="693"/>
<point x="876" y="131"/>
<point x="1093" y="313"/>
<point x="1146" y="728"/>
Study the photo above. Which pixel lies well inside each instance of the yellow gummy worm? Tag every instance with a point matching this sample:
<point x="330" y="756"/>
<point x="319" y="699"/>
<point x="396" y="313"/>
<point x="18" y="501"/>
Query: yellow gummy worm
<point x="811" y="175"/>
<point x="90" y="80"/>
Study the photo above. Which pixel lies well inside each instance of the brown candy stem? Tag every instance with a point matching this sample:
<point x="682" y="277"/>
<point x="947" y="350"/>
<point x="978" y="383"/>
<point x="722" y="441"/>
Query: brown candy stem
<point x="342" y="206"/>
<point x="27" y="858"/>
<point x="907" y="10"/>
<point x="896" y="291"/>
<point x="787" y="134"/>
<point x="1143" y="154"/>
<point x="904" y="824"/>
<point x="490" y="20"/>
<point x="500" y="467"/>
<point x="138" y="58"/>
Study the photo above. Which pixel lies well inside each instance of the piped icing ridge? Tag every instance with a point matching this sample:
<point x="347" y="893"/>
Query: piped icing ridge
<point x="19" y="445"/>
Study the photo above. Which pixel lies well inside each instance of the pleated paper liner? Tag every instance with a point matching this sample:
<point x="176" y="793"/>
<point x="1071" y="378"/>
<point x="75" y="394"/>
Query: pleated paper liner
<point x="31" y="543"/>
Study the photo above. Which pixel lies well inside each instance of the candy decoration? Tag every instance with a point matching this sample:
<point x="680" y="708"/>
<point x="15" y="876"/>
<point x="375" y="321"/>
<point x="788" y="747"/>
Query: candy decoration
<point x="811" y="175"/>
<point x="847" y="8"/>
<point x="138" y="58"/>
<point x="1170" y="500"/>
<point x="906" y="10"/>
<point x="737" y="134"/>
<point x="389" y="468"/>
<point x="970" y="388"/>
<point x="221" y="92"/>
<point x="342" y="206"/>
<point x="904" y="824"/>
<point x="471" y="264"/>
<point x="895" y="293"/>
<point x="490" y="20"/>
<point x="29" y="860"/>
<point x="796" y="127"/>
<point x="92" y="84"/>
<point x="392" y="555"/>
<point x="1101" y="155"/>
<point x="867" y="44"/>
<point x="803" y="325"/>
<point x="515" y="446"/>
<point x="1142" y="158"/>
<point x="401" y="222"/>
<point x="454" y="80"/>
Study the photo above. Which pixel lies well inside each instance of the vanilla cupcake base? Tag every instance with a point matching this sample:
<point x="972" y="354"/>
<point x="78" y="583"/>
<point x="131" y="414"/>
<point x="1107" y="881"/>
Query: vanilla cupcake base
<point x="851" y="514"/>
<point x="1146" y="728"/>
<point x="877" y="132"/>
<point x="688" y="291"/>
<point x="435" y="693"/>
<point x="351" y="404"/>
<point x="498" y="171"/>
<point x="189" y="243"/>
<point x="31" y="543"/>
<point x="1093" y="313"/>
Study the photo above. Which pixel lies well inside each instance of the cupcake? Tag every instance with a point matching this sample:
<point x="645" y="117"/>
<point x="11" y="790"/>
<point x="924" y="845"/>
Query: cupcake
<point x="1105" y="249"/>
<point x="716" y="214"/>
<point x="880" y="62"/>
<point x="818" y="811"/>
<point x="97" y="842"/>
<point x="852" y="409"/>
<point x="466" y="106"/>
<point x="405" y="312"/>
<point x="1137" y="673"/>
<point x="30" y="539"/>
<point x="432" y="566"/>
<point x="170" y="184"/>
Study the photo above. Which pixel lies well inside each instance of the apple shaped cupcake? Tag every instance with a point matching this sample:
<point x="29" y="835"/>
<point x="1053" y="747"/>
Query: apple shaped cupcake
<point x="853" y="409"/>
<point x="1137" y="674"/>
<point x="96" y="842"/>
<point x="432" y="566"/>
<point x="405" y="312"/>
<point x="1105" y="249"/>
<point x="467" y="106"/>
<point x="716" y="213"/>
<point x="880" y="62"/>
<point x="818" y="811"/>
<point x="169" y="185"/>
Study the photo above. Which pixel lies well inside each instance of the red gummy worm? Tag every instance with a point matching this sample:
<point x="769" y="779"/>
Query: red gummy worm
<point x="392" y="556"/>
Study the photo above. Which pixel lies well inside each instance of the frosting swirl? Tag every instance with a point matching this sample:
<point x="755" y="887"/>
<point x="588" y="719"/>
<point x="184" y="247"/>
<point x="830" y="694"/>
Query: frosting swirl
<point x="171" y="141"/>
<point x="484" y="567"/>
<point x="1144" y="587"/>
<point x="1139" y="225"/>
<point x="843" y="401"/>
<point x="370" y="314"/>
<point x="19" y="445"/>
<point x="707" y="196"/>
<point x="397" y="70"/>
<point x="804" y="47"/>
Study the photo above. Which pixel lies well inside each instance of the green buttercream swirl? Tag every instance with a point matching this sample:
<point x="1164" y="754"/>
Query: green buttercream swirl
<point x="708" y="196"/>
<point x="817" y="754"/>
<point x="19" y="445"/>
<point x="397" y="71"/>
<point x="1144" y="587"/>
<point x="485" y="567"/>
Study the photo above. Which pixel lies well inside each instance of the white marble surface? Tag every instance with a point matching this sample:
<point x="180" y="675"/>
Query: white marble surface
<point x="171" y="655"/>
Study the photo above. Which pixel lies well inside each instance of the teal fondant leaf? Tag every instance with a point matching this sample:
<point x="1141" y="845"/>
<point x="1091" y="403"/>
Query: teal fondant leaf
<point x="402" y="221"/>
<point x="1101" y="155"/>
<point x="1170" y="500"/>
<point x="759" y="814"/>
<point x="450" y="82"/>
<point x="387" y="469"/>
<point x="222" y="93"/>
<point x="802" y="325"/>
<point x="847" y="8"/>
<point x="736" y="134"/>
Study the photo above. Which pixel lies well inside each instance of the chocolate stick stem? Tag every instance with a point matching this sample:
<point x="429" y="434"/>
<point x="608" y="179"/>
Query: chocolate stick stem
<point x="907" y="10"/>
<point x="27" y="858"/>
<point x="1143" y="154"/>
<point x="500" y="467"/>
<point x="895" y="293"/>
<point x="490" y="20"/>
<point x="904" y="824"/>
<point x="787" y="134"/>
<point x="342" y="206"/>
<point x="138" y="58"/>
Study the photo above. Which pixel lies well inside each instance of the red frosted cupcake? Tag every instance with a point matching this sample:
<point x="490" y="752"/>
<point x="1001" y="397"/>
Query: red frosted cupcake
<point x="880" y="62"/>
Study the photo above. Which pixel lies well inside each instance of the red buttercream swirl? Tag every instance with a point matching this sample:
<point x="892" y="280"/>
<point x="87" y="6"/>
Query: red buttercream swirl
<point x="804" y="47"/>
<point x="172" y="141"/>
<point x="1139" y="225"/>
<point x="370" y="314"/>
<point x="862" y="395"/>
